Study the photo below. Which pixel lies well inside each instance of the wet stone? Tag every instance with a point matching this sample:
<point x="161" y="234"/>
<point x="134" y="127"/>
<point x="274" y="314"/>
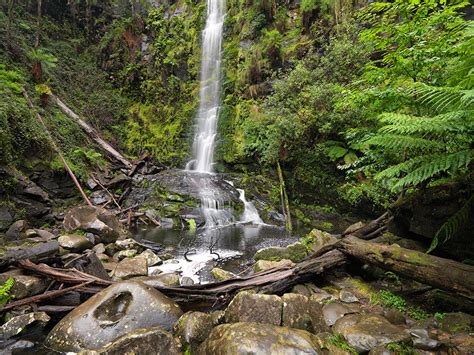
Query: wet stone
<point x="75" y="243"/>
<point x="193" y="328"/>
<point x="112" y="313"/>
<point x="259" y="308"/>
<point x="255" y="338"/>
<point x="222" y="275"/>
<point x="334" y="311"/>
<point x="151" y="258"/>
<point x="123" y="254"/>
<point x="129" y="268"/>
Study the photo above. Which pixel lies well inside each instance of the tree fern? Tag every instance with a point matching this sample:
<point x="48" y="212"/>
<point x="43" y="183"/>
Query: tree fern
<point x="452" y="225"/>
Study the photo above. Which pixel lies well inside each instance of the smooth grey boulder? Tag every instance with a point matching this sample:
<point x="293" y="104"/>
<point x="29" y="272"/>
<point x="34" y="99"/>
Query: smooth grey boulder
<point x="251" y="307"/>
<point x="118" y="310"/>
<point x="256" y="339"/>
<point x="334" y="311"/>
<point x="94" y="220"/>
<point x="140" y="341"/>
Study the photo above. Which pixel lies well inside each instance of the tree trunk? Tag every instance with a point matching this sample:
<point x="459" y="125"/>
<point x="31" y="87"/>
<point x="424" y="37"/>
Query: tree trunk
<point x="285" y="204"/>
<point x="438" y="272"/>
<point x="92" y="133"/>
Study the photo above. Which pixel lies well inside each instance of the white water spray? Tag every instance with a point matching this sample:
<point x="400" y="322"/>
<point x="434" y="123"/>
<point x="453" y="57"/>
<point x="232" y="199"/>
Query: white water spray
<point x="250" y="212"/>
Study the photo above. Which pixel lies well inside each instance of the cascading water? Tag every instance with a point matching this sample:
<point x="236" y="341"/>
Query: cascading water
<point x="216" y="210"/>
<point x="250" y="212"/>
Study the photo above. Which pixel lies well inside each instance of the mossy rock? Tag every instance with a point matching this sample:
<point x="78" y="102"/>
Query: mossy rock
<point x="294" y="252"/>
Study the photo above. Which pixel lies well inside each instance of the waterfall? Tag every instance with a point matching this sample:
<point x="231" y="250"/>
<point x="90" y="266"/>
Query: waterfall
<point x="216" y="210"/>
<point x="209" y="93"/>
<point x="250" y="212"/>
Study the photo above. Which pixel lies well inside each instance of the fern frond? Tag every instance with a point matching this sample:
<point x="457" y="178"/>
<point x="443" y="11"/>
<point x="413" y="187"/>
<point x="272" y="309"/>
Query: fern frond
<point x="398" y="142"/>
<point x="395" y="170"/>
<point x="452" y="225"/>
<point x="441" y="98"/>
<point x="434" y="164"/>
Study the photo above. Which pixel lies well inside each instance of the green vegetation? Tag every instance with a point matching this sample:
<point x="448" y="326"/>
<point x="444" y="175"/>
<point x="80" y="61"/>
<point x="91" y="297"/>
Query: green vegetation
<point x="388" y="299"/>
<point x="339" y="341"/>
<point x="5" y="289"/>
<point x="402" y="349"/>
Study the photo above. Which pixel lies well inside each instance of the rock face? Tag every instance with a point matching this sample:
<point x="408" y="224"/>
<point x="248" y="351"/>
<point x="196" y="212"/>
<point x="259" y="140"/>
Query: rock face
<point x="254" y="338"/>
<point x="74" y="243"/>
<point x="114" y="312"/>
<point x="364" y="332"/>
<point x="258" y="308"/>
<point x="94" y="220"/>
<point x="141" y="341"/>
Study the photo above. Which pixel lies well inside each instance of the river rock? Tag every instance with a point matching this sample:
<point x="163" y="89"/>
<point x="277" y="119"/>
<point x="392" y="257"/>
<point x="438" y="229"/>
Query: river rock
<point x="421" y="340"/>
<point x="130" y="267"/>
<point x="170" y="279"/>
<point x="44" y="235"/>
<point x="151" y="258"/>
<point x="347" y="297"/>
<point x="74" y="243"/>
<point x="94" y="220"/>
<point x="303" y="313"/>
<point x="251" y="307"/>
<point x="114" y="312"/>
<point x="256" y="338"/>
<point x="334" y="311"/>
<point x="25" y="285"/>
<point x="222" y="275"/>
<point x="16" y="230"/>
<point x="140" y="341"/>
<point x="320" y="239"/>
<point x="123" y="254"/>
<point x="262" y="265"/>
<point x="364" y="332"/>
<point x="193" y="328"/>
<point x="15" y="325"/>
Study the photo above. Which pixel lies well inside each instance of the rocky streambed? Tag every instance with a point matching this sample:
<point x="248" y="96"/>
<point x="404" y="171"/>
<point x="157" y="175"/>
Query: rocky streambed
<point x="93" y="284"/>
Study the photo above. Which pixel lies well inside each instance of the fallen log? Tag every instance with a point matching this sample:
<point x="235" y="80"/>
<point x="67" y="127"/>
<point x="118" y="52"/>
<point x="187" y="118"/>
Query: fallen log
<point x="92" y="133"/>
<point x="431" y="270"/>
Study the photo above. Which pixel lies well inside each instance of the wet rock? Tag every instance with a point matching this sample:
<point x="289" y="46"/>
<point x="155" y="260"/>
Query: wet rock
<point x="347" y="297"/>
<point x="262" y="265"/>
<point x="17" y="230"/>
<point x="222" y="275"/>
<point x="334" y="311"/>
<point x="193" y="328"/>
<point x="218" y="317"/>
<point x="99" y="248"/>
<point x="15" y="325"/>
<point x="151" y="258"/>
<point x="255" y="338"/>
<point x="94" y="220"/>
<point x="168" y="279"/>
<point x="25" y="285"/>
<point x="112" y="313"/>
<point x="129" y="268"/>
<point x="394" y="316"/>
<point x="456" y="322"/>
<point x="74" y="242"/>
<point x="250" y="307"/>
<point x="123" y="254"/>
<point x="364" y="332"/>
<point x="319" y="239"/>
<point x="140" y="341"/>
<point x="421" y="340"/>
<point x="302" y="313"/>
<point x="186" y="281"/>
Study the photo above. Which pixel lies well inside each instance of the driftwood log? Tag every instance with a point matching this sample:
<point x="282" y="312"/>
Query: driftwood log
<point x="431" y="270"/>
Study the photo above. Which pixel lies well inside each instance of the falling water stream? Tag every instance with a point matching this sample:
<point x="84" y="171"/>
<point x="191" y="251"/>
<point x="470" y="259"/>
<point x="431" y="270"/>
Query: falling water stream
<point x="216" y="210"/>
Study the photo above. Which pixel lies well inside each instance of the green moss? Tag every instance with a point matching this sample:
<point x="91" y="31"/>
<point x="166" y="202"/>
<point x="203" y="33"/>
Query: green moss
<point x="339" y="341"/>
<point x="401" y="348"/>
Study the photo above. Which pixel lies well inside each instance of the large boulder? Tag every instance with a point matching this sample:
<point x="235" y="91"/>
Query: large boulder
<point x="251" y="307"/>
<point x="303" y="313"/>
<point x="365" y="332"/>
<point x="255" y="338"/>
<point x="112" y="313"/>
<point x="94" y="220"/>
<point x="140" y="341"/>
